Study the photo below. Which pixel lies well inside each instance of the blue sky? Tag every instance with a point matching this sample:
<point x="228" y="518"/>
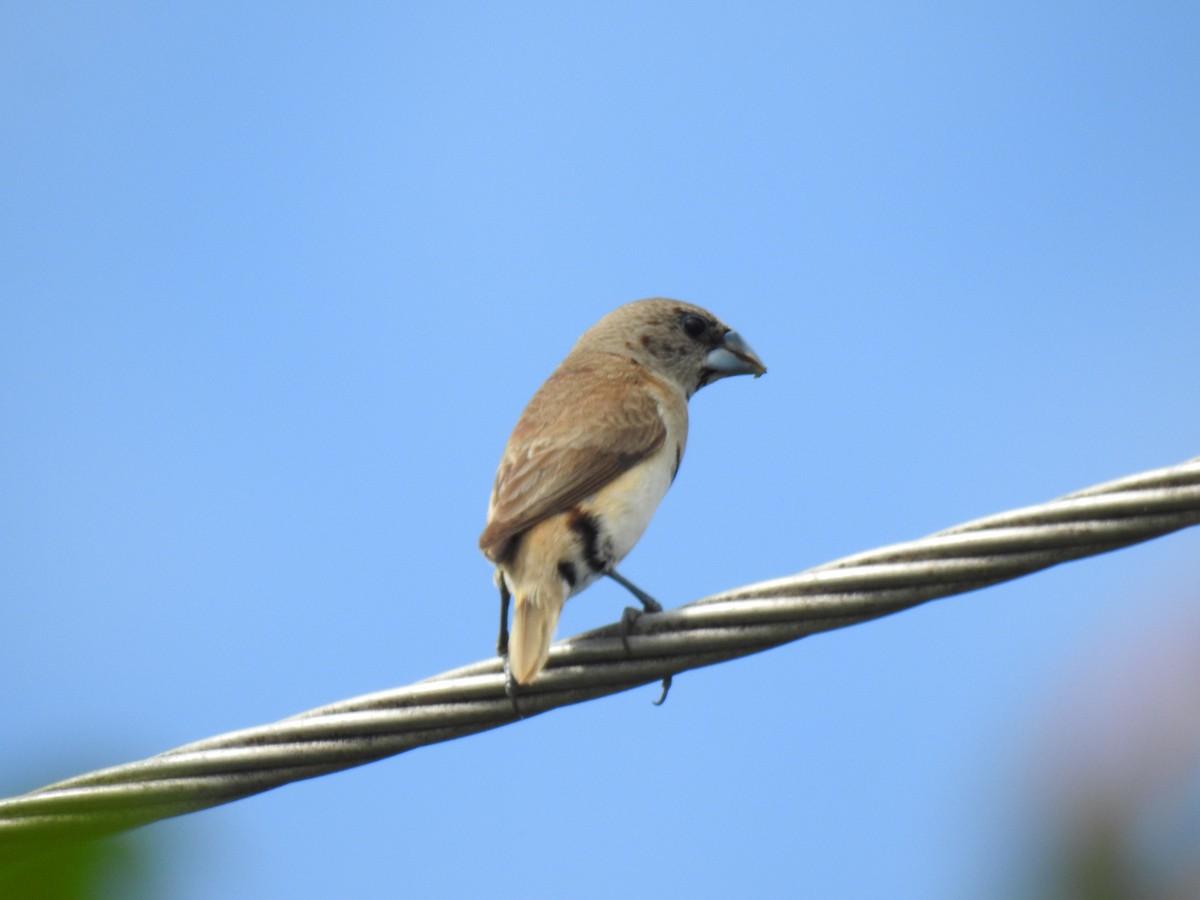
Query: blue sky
<point x="276" y="287"/>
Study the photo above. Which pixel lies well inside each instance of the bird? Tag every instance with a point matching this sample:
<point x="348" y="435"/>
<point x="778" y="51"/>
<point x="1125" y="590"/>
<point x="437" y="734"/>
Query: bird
<point x="589" y="460"/>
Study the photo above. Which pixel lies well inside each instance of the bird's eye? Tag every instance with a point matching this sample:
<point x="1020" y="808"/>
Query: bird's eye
<point x="694" y="326"/>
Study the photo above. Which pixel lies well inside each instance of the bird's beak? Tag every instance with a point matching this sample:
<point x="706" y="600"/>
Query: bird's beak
<point x="734" y="357"/>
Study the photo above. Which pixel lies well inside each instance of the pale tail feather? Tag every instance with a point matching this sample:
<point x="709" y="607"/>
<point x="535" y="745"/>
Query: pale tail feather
<point x="535" y="616"/>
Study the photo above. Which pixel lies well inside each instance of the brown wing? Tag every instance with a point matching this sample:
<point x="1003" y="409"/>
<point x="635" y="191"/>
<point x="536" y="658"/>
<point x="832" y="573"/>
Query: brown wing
<point x="583" y="428"/>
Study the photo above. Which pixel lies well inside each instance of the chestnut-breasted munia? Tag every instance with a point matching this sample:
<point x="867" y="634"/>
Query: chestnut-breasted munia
<point x="591" y="457"/>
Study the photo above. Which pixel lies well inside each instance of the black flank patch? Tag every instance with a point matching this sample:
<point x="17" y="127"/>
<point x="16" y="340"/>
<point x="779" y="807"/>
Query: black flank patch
<point x="566" y="569"/>
<point x="588" y="530"/>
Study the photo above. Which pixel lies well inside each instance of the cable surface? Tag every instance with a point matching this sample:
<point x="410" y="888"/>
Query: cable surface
<point x="604" y="661"/>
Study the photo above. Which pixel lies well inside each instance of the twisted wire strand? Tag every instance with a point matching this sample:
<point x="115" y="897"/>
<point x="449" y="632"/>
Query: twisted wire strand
<point x="611" y="659"/>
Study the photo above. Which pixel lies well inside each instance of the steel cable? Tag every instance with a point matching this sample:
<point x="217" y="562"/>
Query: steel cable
<point x="610" y="659"/>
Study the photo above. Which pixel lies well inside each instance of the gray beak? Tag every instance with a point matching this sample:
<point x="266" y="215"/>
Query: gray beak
<point x="734" y="357"/>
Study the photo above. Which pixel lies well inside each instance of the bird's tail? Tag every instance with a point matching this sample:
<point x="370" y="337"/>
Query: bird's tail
<point x="535" y="616"/>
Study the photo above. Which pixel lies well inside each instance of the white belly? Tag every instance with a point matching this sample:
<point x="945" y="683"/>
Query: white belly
<point x="626" y="504"/>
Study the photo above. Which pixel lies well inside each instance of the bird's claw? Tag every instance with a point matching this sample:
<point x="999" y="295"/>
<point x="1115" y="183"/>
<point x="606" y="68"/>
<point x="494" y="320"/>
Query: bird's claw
<point x="629" y="615"/>
<point x="666" y="689"/>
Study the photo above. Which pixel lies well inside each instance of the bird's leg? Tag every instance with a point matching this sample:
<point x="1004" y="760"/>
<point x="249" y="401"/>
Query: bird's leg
<point x="630" y="615"/>
<point x="505" y="599"/>
<point x="510" y="683"/>
<point x="649" y="604"/>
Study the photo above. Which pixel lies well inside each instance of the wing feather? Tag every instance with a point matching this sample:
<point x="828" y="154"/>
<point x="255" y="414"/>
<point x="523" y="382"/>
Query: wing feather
<point x="585" y="426"/>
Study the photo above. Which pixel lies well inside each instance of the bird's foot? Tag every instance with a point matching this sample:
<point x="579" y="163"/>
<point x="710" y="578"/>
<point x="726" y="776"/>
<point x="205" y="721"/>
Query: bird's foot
<point x="512" y="689"/>
<point x="628" y="616"/>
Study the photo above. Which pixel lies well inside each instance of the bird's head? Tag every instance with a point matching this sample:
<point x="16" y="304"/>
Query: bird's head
<point x="676" y="340"/>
